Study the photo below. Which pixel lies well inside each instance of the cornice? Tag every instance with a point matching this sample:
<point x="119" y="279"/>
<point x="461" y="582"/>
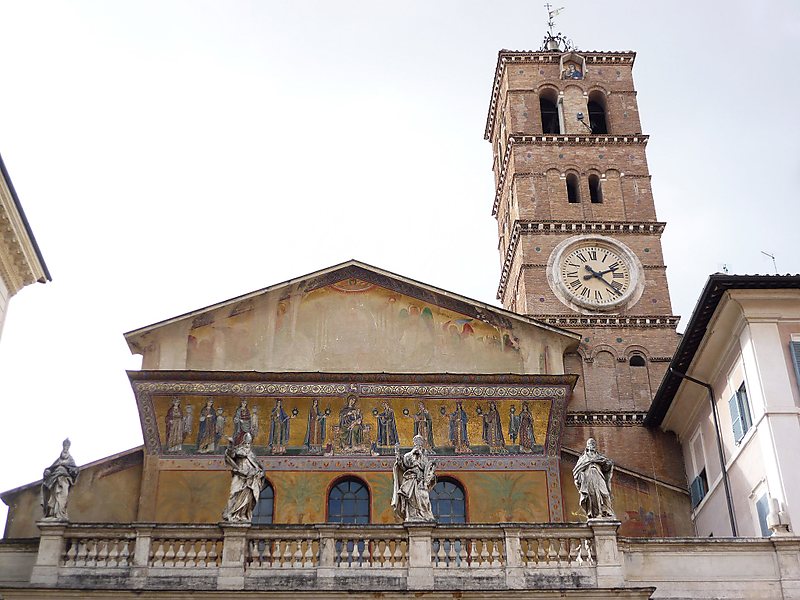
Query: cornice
<point x="20" y="261"/>
<point x="560" y="140"/>
<point x="614" y="418"/>
<point x="572" y="228"/>
<point x="504" y="57"/>
<point x="573" y="321"/>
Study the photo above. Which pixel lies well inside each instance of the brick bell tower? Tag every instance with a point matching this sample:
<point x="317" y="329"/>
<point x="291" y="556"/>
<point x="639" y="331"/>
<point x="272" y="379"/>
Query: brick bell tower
<point x="580" y="244"/>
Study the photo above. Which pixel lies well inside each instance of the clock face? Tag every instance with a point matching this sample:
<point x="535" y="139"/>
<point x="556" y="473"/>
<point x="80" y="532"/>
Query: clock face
<point x="591" y="273"/>
<point x="595" y="275"/>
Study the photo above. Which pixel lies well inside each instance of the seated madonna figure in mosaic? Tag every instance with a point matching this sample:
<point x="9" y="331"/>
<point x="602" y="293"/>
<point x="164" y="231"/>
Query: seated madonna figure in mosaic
<point x="414" y="477"/>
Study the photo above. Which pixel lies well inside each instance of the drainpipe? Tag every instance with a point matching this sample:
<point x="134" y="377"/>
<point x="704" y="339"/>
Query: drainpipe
<point x="720" y="450"/>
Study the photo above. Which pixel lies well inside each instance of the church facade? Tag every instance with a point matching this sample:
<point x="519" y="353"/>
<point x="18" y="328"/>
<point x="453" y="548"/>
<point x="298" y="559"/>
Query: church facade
<point x="331" y="375"/>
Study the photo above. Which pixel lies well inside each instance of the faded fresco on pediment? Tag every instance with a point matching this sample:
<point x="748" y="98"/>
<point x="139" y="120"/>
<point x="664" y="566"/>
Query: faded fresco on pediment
<point x="357" y="323"/>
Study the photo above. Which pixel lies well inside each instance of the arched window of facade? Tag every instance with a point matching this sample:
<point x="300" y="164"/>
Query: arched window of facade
<point x="573" y="189"/>
<point x="597" y="113"/>
<point x="265" y="508"/>
<point x="348" y="502"/>
<point x="449" y="501"/>
<point x="549" y="109"/>
<point x="595" y="191"/>
<point x="637" y="360"/>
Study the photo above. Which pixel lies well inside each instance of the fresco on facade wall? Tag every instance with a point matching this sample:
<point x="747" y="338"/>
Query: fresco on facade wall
<point x="352" y="425"/>
<point x="352" y="325"/>
<point x="301" y="497"/>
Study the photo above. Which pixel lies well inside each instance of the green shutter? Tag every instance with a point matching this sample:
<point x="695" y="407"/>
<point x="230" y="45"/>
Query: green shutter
<point x="744" y="409"/>
<point x="736" y="418"/>
<point x="795" y="348"/>
<point x="697" y="490"/>
<point x="762" y="507"/>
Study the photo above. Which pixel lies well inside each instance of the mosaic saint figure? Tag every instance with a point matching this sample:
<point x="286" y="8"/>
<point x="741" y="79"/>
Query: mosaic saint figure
<point x="278" y="429"/>
<point x="413" y="477"/>
<point x="423" y="426"/>
<point x="527" y="439"/>
<point x="513" y="424"/>
<point x="315" y="431"/>
<point x="219" y="426"/>
<point x="207" y="428"/>
<point x="175" y="426"/>
<point x="351" y="424"/>
<point x="458" y="430"/>
<point x="242" y="423"/>
<point x="592" y="476"/>
<point x="493" y="429"/>
<point x="247" y="479"/>
<point x="57" y="480"/>
<point x="387" y="427"/>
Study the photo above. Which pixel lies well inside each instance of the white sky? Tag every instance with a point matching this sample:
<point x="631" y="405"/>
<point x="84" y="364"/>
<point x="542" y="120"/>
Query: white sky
<point x="174" y="154"/>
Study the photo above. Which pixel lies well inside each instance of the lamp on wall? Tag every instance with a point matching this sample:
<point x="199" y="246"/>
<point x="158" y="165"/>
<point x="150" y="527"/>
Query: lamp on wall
<point x="585" y="124"/>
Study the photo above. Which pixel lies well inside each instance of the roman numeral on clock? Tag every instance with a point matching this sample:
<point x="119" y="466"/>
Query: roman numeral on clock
<point x="575" y="284"/>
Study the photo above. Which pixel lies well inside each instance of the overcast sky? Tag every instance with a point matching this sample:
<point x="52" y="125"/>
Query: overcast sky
<point x="170" y="155"/>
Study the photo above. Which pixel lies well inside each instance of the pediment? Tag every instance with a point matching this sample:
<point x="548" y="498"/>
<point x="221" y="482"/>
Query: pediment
<point x="352" y="318"/>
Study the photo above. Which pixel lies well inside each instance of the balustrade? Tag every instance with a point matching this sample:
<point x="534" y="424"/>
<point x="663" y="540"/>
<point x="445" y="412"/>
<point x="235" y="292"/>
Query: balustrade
<point x="416" y="554"/>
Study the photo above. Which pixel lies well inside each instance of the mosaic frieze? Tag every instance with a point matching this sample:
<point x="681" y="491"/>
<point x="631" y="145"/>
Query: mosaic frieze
<point x="201" y="418"/>
<point x="352" y="425"/>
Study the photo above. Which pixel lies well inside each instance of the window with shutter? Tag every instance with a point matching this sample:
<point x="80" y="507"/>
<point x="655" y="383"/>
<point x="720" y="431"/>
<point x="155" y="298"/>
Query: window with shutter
<point x="736" y="419"/>
<point x="744" y="408"/>
<point x="740" y="414"/>
<point x="795" y="348"/>
<point x="762" y="508"/>
<point x="698" y="488"/>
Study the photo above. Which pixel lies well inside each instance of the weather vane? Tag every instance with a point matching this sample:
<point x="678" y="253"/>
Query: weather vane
<point x="555" y="41"/>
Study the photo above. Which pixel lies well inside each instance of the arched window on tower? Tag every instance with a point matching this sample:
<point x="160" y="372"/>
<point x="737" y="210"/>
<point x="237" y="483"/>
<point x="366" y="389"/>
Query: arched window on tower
<point x="595" y="192"/>
<point x="448" y="501"/>
<point x="549" y="109"/>
<point x="573" y="189"/>
<point x="348" y="502"/>
<point x="637" y="360"/>
<point x="265" y="508"/>
<point x="597" y="113"/>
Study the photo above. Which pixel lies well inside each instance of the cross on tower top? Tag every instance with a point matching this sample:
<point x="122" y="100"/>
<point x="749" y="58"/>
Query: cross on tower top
<point x="554" y="41"/>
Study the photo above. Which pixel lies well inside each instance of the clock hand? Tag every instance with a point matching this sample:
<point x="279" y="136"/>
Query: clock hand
<point x="596" y="273"/>
<point x="601" y="278"/>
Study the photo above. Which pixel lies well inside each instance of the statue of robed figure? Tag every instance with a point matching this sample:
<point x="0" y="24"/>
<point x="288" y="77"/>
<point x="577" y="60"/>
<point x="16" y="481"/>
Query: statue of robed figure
<point x="57" y="480"/>
<point x="592" y="475"/>
<point x="246" y="482"/>
<point x="414" y="477"/>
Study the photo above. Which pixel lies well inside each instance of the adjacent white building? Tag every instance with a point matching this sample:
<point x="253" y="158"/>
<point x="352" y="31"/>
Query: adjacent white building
<point x="741" y="349"/>
<point x="21" y="262"/>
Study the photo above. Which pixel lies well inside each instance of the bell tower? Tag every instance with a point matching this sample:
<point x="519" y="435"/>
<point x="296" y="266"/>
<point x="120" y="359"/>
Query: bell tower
<point x="579" y="240"/>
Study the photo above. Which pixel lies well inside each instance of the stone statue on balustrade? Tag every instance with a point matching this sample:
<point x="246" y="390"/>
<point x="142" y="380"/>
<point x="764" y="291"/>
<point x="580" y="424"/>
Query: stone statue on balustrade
<point x="414" y="477"/>
<point x="592" y="475"/>
<point x="57" y="480"/>
<point x="246" y="482"/>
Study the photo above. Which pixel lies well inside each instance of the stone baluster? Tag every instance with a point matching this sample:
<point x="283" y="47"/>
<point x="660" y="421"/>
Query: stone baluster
<point x="141" y="555"/>
<point x="51" y="545"/>
<point x="234" y="553"/>
<point x="420" y="569"/>
<point x="515" y="576"/>
<point x="609" y="560"/>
